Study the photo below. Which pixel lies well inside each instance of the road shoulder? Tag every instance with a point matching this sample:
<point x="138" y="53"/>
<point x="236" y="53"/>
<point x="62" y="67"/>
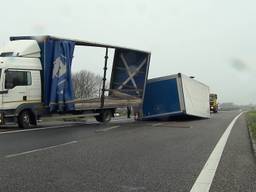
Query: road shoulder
<point x="251" y="125"/>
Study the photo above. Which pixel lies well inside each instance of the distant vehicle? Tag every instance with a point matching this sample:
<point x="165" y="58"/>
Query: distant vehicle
<point x="175" y="95"/>
<point x="35" y="80"/>
<point x="214" y="106"/>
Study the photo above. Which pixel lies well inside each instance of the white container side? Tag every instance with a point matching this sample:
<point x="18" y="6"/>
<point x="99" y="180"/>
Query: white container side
<point x="196" y="97"/>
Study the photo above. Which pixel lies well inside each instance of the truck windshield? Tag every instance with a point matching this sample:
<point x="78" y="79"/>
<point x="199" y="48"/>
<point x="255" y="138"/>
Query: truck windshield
<point x="7" y="54"/>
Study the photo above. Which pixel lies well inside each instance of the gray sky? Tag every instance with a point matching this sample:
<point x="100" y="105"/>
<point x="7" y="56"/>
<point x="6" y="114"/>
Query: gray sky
<point x="213" y="40"/>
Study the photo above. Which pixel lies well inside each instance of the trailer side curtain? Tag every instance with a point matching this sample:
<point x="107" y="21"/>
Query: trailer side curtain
<point x="61" y="94"/>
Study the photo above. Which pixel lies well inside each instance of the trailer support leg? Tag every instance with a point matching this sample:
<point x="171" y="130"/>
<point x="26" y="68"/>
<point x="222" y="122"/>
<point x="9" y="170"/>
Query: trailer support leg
<point x="104" y="80"/>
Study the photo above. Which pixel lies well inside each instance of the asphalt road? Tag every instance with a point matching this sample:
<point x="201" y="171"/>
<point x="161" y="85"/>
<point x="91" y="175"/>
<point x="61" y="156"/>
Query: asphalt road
<point x="126" y="157"/>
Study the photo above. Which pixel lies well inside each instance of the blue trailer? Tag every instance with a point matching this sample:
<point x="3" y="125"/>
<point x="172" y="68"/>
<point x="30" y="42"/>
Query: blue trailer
<point x="175" y="95"/>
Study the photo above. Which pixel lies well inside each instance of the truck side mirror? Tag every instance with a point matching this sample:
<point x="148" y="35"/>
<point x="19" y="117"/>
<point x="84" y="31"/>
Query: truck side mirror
<point x="9" y="85"/>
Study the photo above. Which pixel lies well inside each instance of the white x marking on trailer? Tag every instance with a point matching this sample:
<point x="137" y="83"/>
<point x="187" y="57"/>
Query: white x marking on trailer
<point x="130" y="74"/>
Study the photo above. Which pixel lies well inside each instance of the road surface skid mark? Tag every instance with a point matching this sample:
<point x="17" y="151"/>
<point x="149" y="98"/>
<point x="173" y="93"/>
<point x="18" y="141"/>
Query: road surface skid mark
<point x="107" y="129"/>
<point x="170" y="125"/>
<point x="205" y="178"/>
<point x="131" y="188"/>
<point x="39" y="149"/>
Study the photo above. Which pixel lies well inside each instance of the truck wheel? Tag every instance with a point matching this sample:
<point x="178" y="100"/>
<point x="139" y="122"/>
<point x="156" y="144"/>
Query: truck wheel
<point x="25" y="119"/>
<point x="104" y="116"/>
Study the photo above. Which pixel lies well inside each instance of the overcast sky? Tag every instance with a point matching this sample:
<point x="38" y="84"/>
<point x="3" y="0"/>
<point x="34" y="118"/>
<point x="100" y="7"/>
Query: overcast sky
<point x="213" y="40"/>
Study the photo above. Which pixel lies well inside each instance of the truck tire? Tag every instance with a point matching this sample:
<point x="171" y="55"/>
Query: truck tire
<point x="25" y="119"/>
<point x="104" y="117"/>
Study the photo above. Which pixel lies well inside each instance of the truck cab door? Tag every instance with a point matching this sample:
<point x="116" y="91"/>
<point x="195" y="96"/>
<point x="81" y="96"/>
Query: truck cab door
<point x="16" y="85"/>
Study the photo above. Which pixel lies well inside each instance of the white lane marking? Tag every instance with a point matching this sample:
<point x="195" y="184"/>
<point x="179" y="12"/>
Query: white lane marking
<point x="107" y="129"/>
<point x="205" y="178"/>
<point x="43" y="128"/>
<point x="40" y="149"/>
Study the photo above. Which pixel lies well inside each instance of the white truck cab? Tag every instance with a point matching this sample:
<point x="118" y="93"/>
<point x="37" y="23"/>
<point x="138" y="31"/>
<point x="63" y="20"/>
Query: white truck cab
<point x="20" y="78"/>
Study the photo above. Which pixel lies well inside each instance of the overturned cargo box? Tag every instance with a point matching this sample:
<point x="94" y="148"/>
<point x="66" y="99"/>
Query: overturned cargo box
<point x="175" y="95"/>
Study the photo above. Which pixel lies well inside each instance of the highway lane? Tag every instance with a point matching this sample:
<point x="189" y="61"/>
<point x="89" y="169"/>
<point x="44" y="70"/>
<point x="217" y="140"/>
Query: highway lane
<point x="133" y="156"/>
<point x="237" y="168"/>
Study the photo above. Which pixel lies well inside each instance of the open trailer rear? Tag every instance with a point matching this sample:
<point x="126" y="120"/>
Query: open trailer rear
<point x="36" y="80"/>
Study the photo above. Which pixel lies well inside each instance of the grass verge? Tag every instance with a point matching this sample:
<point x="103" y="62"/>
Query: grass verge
<point x="251" y="123"/>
